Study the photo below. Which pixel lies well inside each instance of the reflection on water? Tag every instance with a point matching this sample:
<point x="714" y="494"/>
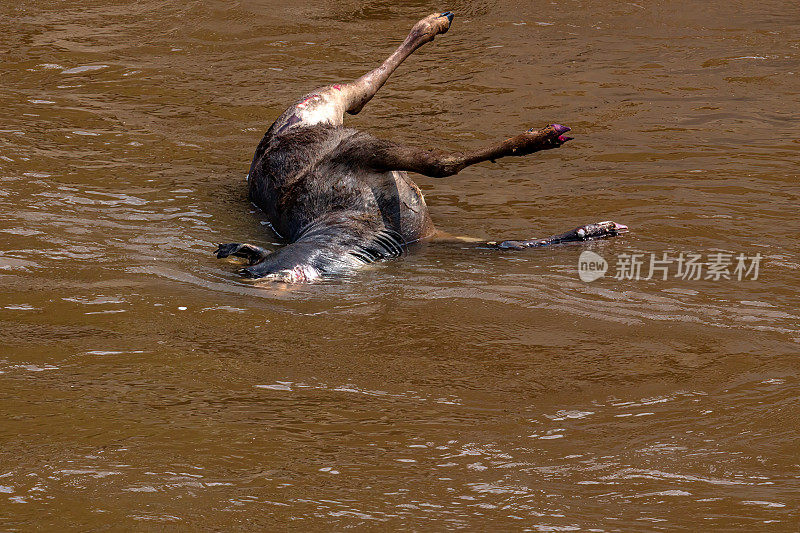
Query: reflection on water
<point x="145" y="383"/>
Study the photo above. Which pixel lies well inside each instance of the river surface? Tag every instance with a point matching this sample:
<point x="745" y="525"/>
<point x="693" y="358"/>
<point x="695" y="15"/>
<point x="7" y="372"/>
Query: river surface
<point x="145" y="386"/>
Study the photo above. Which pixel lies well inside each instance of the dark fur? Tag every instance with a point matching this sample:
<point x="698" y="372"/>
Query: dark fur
<point x="336" y="211"/>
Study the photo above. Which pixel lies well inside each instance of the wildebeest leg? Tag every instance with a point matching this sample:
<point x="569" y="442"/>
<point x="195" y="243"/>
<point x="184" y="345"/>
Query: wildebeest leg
<point x="600" y="230"/>
<point x="385" y="156"/>
<point x="252" y="253"/>
<point x="587" y="232"/>
<point x="327" y="105"/>
<point x="361" y="91"/>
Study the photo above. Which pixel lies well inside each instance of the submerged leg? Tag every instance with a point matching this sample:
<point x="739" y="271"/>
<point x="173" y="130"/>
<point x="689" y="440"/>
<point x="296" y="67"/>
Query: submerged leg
<point x="252" y="253"/>
<point x="601" y="230"/>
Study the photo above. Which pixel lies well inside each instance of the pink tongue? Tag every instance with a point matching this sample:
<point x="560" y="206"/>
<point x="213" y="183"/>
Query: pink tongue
<point x="564" y="138"/>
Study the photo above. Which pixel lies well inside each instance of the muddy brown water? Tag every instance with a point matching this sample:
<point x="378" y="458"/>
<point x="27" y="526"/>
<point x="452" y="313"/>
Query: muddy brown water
<point x="145" y="386"/>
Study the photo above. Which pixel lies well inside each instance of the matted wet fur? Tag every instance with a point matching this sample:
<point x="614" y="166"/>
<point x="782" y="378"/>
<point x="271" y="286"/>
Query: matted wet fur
<point x="342" y="198"/>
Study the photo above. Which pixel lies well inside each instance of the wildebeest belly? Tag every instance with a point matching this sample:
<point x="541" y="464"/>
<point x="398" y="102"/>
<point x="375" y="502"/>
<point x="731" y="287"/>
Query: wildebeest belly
<point x="403" y="207"/>
<point x="388" y="200"/>
<point x="298" y="180"/>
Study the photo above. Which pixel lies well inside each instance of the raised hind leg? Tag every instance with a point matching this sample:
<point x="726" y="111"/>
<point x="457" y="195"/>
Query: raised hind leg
<point x="380" y="155"/>
<point x="327" y="105"/>
<point x="384" y="156"/>
<point x="361" y="91"/>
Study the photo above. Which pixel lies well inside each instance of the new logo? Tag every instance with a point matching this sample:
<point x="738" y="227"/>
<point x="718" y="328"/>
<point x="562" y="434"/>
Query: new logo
<point x="591" y="266"/>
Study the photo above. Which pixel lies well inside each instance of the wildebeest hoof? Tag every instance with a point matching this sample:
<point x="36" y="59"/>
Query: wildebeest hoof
<point x="556" y="130"/>
<point x="251" y="252"/>
<point x="250" y="273"/>
<point x="432" y="25"/>
<point x="551" y="136"/>
<point x="613" y="228"/>
<point x="555" y="134"/>
<point x="561" y="130"/>
<point x="224" y="250"/>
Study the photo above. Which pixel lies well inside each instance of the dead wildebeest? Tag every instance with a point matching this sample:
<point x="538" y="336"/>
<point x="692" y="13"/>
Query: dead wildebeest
<point x="341" y="198"/>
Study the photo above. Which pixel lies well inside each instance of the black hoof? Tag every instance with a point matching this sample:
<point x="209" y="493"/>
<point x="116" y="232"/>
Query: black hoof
<point x="224" y="250"/>
<point x="250" y="273"/>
